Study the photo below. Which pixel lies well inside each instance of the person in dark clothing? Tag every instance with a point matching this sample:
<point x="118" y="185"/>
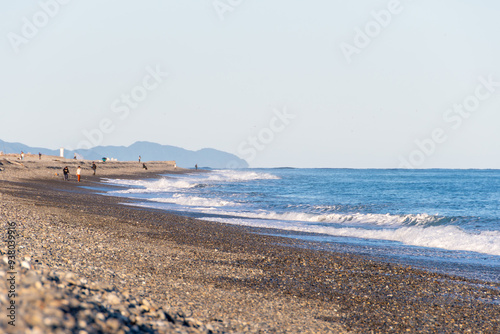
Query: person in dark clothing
<point x="66" y="173"/>
<point x="144" y="166"/>
<point x="94" y="167"/>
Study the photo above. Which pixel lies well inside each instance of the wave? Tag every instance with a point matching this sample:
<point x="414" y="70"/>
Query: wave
<point x="338" y="218"/>
<point x="173" y="184"/>
<point x="199" y="192"/>
<point x="194" y="201"/>
<point x="239" y="176"/>
<point x="243" y="211"/>
<point x="444" y="237"/>
<point x="156" y="186"/>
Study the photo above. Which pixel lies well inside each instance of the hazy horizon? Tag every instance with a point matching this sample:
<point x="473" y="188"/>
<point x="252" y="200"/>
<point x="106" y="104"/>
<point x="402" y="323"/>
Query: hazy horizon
<point x="274" y="167"/>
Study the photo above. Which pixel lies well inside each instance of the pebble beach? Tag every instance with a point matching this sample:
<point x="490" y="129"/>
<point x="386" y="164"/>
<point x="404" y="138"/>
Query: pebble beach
<point x="87" y="263"/>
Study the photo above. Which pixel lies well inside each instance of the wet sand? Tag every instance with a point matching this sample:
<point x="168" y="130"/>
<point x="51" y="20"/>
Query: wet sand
<point x="222" y="278"/>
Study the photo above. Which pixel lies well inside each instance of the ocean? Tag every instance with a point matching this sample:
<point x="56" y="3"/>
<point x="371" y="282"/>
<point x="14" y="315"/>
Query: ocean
<point x="446" y="221"/>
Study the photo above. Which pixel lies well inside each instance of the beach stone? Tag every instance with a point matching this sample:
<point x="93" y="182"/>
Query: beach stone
<point x="35" y="319"/>
<point x="69" y="322"/>
<point x="113" y="299"/>
<point x="82" y="323"/>
<point x="113" y="324"/>
<point x="30" y="278"/>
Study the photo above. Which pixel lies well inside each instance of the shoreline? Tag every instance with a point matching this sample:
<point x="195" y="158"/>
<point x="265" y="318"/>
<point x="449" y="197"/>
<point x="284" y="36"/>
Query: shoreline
<point x="467" y="264"/>
<point x="228" y="277"/>
<point x="51" y="167"/>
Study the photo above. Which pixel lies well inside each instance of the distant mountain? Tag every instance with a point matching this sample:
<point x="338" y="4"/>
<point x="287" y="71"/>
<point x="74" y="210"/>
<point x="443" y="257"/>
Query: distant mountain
<point x="148" y="151"/>
<point x="6" y="147"/>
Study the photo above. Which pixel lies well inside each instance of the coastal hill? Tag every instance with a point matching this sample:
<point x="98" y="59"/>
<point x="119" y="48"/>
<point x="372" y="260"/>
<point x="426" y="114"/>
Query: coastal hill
<point x="148" y="151"/>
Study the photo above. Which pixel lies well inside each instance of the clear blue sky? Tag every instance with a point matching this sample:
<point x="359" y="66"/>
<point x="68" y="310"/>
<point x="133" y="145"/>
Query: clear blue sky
<point x="280" y="83"/>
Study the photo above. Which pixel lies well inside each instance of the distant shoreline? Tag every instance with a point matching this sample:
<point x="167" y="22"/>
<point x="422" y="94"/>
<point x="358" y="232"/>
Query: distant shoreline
<point x="50" y="167"/>
<point x="149" y="151"/>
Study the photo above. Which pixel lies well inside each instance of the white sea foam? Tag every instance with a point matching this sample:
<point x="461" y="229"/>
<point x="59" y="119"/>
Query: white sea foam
<point x="238" y="176"/>
<point x="444" y="237"/>
<point x="194" y="201"/>
<point x="123" y="182"/>
<point x="422" y="230"/>
<point x="351" y="219"/>
<point x="173" y="184"/>
<point x="144" y="186"/>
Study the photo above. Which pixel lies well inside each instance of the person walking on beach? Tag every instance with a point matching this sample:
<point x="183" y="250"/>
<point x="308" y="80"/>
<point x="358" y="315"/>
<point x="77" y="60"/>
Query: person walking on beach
<point x="196" y="166"/>
<point x="94" y="166"/>
<point x="66" y="173"/>
<point x="39" y="156"/>
<point x="78" y="173"/>
<point x="139" y="159"/>
<point x="22" y="155"/>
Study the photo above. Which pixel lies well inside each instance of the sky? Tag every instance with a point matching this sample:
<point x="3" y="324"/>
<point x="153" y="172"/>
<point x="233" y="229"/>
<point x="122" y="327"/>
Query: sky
<point x="355" y="84"/>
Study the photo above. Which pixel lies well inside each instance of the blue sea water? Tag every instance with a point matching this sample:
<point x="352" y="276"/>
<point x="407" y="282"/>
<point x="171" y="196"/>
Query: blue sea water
<point x="442" y="220"/>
